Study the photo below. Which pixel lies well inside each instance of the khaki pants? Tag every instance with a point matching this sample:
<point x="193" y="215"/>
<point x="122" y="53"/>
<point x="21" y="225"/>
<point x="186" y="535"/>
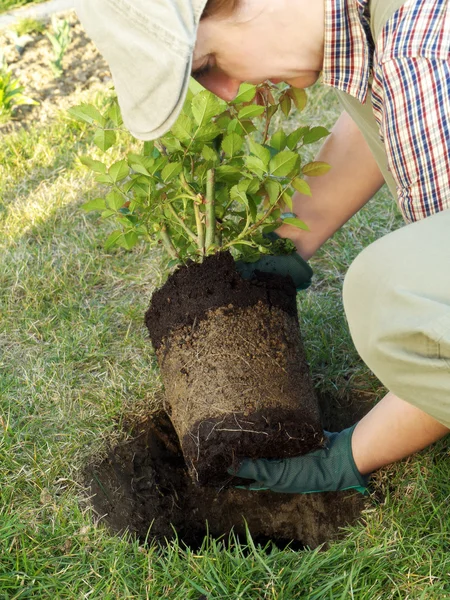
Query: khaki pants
<point x="397" y="302"/>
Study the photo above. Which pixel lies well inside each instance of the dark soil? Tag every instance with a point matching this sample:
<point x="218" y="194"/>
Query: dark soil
<point x="197" y="288"/>
<point x="144" y="483"/>
<point x="234" y="371"/>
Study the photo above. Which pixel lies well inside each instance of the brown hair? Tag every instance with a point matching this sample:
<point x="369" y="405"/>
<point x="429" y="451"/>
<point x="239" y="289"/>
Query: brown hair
<point x="219" y="7"/>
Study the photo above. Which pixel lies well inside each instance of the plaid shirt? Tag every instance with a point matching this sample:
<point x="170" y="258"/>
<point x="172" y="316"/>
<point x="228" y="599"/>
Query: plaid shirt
<point x="408" y="71"/>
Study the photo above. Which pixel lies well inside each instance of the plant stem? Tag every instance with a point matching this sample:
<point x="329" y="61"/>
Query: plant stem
<point x="210" y="209"/>
<point x="200" y="228"/>
<point x="179" y="220"/>
<point x="186" y="187"/>
<point x="168" y="244"/>
<point x="249" y="230"/>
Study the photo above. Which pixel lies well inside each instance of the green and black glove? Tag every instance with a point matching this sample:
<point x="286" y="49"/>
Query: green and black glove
<point x="329" y="469"/>
<point x="283" y="264"/>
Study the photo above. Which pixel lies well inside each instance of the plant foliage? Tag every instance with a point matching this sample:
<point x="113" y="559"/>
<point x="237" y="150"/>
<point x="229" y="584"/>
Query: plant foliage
<point x="11" y="94"/>
<point x="60" y="40"/>
<point x="216" y="181"/>
<point x="27" y="26"/>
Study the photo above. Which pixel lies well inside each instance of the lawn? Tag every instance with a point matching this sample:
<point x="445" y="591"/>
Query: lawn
<point x="6" y="5"/>
<point x="76" y="364"/>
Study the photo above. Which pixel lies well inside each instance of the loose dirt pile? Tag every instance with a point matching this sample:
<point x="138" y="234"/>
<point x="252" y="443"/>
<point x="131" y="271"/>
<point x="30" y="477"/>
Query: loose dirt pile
<point x="144" y="487"/>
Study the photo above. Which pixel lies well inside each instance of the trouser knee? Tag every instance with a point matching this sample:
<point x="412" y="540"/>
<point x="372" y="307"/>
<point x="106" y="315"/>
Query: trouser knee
<point x="397" y="302"/>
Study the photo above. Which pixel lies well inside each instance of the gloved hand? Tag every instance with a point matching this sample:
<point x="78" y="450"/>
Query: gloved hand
<point x="284" y="264"/>
<point x="329" y="469"/>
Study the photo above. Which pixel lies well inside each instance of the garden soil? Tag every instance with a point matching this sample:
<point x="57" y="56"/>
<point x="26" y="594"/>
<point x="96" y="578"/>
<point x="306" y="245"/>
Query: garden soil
<point x="84" y="69"/>
<point x="143" y="487"/>
<point x="236" y="380"/>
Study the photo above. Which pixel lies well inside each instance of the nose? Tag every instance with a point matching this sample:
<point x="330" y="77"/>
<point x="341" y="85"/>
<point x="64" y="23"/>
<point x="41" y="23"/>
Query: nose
<point x="220" y="84"/>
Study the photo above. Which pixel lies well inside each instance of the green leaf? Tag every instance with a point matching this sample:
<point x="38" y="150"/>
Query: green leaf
<point x="287" y="199"/>
<point x="171" y="171"/>
<point x="104" y="139"/>
<point x="299" y="97"/>
<point x="252" y="208"/>
<point x="183" y="128"/>
<point x="255" y="165"/>
<point x="119" y="170"/>
<point x="283" y="163"/>
<point x="209" y="154"/>
<point x="114" y="114"/>
<point x="96" y="204"/>
<point x="241" y="128"/>
<point x="171" y="143"/>
<point x="223" y="120"/>
<point x="315" y="134"/>
<point x="248" y="112"/>
<point x="262" y="153"/>
<point x="278" y="140"/>
<point x="302" y="186"/>
<point x="246" y="93"/>
<point x="148" y="147"/>
<point x="228" y="173"/>
<point x="296" y="223"/>
<point x="108" y="213"/>
<point x="238" y="195"/>
<point x="286" y="104"/>
<point x="103" y="178"/>
<point x="114" y="200"/>
<point x="273" y="189"/>
<point x="21" y="100"/>
<point x="112" y="239"/>
<point x="294" y="137"/>
<point x="250" y="186"/>
<point x="95" y="165"/>
<point x="129" y="240"/>
<point x="316" y="168"/>
<point x="88" y="114"/>
<point x="232" y="144"/>
<point x="141" y="187"/>
<point x="206" y="133"/>
<point x="140" y="164"/>
<point x="205" y="105"/>
<point x="159" y="164"/>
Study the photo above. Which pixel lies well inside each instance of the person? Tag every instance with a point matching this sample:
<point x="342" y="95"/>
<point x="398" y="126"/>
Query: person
<point x="388" y="61"/>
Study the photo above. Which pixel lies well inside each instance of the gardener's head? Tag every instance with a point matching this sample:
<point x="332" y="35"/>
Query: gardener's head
<point x="153" y="45"/>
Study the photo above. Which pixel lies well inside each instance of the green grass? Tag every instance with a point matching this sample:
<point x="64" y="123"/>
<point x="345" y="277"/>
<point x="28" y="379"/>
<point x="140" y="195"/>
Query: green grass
<point x="6" y="5"/>
<point x="28" y="25"/>
<point x="75" y="359"/>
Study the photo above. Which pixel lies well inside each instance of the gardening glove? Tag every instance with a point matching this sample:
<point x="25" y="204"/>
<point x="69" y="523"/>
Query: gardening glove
<point x="329" y="469"/>
<point x="285" y="264"/>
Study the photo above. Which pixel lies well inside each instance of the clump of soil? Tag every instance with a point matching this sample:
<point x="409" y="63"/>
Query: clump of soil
<point x="235" y="376"/>
<point x="144" y="484"/>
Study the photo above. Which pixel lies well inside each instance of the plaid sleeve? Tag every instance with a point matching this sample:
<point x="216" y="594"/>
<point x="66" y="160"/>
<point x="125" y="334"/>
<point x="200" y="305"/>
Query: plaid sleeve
<point x="416" y="128"/>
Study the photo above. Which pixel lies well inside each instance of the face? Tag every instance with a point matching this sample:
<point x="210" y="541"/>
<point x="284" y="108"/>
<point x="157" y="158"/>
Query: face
<point x="246" y="46"/>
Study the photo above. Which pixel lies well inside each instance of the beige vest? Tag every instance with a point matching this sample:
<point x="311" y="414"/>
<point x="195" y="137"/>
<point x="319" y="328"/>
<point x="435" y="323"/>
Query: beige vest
<point x="380" y="12"/>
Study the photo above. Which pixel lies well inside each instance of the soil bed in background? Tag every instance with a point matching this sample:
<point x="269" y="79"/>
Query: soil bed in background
<point x="233" y="366"/>
<point x="144" y="482"/>
<point x="84" y="69"/>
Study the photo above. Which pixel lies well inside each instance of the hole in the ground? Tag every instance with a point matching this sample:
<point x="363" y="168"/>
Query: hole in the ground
<point x="143" y="487"/>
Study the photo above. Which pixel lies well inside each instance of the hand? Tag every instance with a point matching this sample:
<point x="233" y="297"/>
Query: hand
<point x="329" y="469"/>
<point x="284" y="264"/>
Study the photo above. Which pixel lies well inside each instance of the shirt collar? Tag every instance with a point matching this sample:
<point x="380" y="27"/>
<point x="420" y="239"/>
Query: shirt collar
<point x="348" y="47"/>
